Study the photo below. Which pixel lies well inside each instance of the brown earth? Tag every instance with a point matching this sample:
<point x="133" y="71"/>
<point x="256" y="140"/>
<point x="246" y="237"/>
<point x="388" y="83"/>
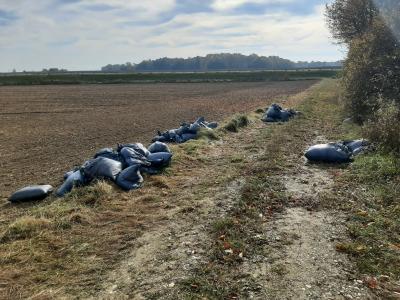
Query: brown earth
<point x="46" y="130"/>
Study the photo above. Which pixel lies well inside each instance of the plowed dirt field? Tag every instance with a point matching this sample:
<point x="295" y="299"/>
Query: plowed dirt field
<point x="46" y="130"/>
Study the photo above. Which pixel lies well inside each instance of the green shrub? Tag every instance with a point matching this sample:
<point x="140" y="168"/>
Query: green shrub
<point x="207" y="134"/>
<point x="384" y="128"/>
<point x="236" y="123"/>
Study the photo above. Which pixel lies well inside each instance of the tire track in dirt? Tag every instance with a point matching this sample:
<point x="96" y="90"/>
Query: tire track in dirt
<point x="303" y="262"/>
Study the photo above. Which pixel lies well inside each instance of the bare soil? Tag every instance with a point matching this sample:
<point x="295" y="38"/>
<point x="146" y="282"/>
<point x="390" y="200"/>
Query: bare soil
<point x="46" y="130"/>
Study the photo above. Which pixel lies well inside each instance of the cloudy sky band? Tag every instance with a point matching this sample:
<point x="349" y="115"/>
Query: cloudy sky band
<point x="87" y="34"/>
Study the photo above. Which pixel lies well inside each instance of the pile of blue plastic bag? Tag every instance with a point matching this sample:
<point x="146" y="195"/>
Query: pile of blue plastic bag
<point x="186" y="132"/>
<point x="124" y="166"/>
<point x="276" y="113"/>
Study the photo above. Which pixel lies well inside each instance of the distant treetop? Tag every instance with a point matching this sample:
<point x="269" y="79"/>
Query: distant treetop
<point x="217" y="62"/>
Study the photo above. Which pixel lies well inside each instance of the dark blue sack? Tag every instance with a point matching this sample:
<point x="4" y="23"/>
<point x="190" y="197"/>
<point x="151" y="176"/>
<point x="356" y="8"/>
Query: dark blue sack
<point x="188" y="136"/>
<point x="130" y="178"/>
<point x="31" y="193"/>
<point x="160" y="159"/>
<point x="108" y="153"/>
<point x="74" y="179"/>
<point x="356" y="144"/>
<point x="138" y="147"/>
<point x="132" y="157"/>
<point x="159" y="147"/>
<point x="273" y="112"/>
<point x="329" y="153"/>
<point x="100" y="168"/>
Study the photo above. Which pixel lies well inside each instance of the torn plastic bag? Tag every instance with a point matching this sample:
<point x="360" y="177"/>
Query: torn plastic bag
<point x="74" y="179"/>
<point x="160" y="159"/>
<point x="138" y="147"/>
<point x="329" y="153"/>
<point x="31" y="193"/>
<point x="132" y="157"/>
<point x="130" y="178"/>
<point x="159" y="147"/>
<point x="356" y="145"/>
<point x="101" y="167"/>
<point x="108" y="153"/>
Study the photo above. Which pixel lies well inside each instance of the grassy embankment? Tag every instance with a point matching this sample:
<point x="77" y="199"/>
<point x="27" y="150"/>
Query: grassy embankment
<point x="367" y="191"/>
<point x="67" y="246"/>
<point x="96" y="78"/>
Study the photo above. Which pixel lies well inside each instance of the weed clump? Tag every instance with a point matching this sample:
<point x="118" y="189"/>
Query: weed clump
<point x="92" y="194"/>
<point x="259" y="111"/>
<point x="384" y="129"/>
<point x="236" y="123"/>
<point x="24" y="227"/>
<point x="207" y="134"/>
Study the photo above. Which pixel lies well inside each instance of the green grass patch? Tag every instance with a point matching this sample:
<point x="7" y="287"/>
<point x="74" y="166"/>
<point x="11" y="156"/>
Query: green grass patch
<point x="118" y="78"/>
<point x="236" y="123"/>
<point x="375" y="215"/>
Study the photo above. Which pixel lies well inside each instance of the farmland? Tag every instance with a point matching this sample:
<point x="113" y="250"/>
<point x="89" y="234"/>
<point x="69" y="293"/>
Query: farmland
<point x="47" y="130"/>
<point x="139" y="78"/>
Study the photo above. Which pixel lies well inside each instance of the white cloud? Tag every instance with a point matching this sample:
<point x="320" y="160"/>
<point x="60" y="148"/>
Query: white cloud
<point x="75" y="37"/>
<point x="230" y="4"/>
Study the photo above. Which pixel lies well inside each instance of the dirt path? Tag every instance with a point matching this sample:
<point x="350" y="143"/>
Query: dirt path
<point x="296" y="256"/>
<point x="302" y="261"/>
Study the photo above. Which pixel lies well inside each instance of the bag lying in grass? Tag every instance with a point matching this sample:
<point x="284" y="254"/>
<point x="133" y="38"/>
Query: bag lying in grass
<point x="159" y="147"/>
<point x="275" y="113"/>
<point x="74" y="179"/>
<point x="130" y="178"/>
<point x="100" y="168"/>
<point x="329" y="153"/>
<point x="188" y="136"/>
<point x="184" y="133"/>
<point x="31" y="193"/>
<point x="160" y="159"/>
<point x="357" y="146"/>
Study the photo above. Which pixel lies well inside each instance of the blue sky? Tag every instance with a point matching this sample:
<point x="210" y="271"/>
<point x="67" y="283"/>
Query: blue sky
<point x="87" y="34"/>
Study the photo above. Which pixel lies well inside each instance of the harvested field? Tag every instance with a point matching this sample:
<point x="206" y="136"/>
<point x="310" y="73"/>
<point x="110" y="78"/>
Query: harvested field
<point x="46" y="130"/>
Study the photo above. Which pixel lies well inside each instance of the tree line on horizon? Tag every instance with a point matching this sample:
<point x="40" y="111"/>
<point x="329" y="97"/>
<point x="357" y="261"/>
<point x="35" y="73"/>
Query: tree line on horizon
<point x="217" y="62"/>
